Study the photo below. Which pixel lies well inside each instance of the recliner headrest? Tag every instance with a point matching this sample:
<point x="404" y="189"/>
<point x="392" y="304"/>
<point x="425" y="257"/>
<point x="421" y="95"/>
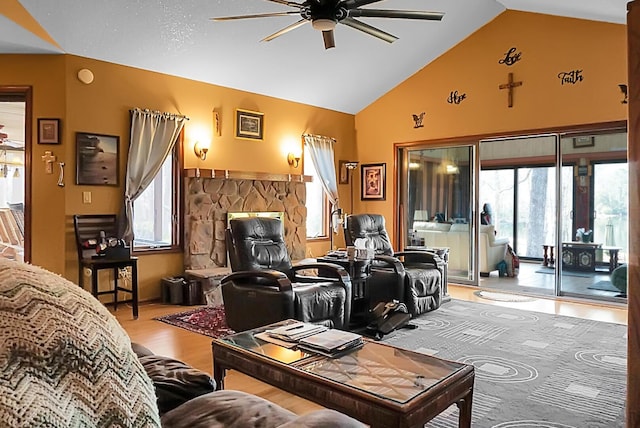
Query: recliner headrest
<point x="258" y="243"/>
<point x="370" y="227"/>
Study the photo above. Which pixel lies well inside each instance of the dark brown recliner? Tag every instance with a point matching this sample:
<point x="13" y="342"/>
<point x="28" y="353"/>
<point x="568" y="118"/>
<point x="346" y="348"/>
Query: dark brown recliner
<point x="412" y="277"/>
<point x="265" y="287"/>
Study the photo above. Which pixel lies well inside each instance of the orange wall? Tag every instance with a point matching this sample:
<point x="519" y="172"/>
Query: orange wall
<point x="46" y="76"/>
<point x="549" y="45"/>
<point x="103" y="107"/>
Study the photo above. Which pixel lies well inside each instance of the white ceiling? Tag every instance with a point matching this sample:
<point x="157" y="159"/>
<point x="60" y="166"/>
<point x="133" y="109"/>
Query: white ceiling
<point x="178" y="38"/>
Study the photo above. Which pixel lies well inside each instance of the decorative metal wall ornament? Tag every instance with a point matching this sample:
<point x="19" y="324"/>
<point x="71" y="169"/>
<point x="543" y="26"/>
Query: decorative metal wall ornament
<point x="511" y="57"/>
<point x="417" y="119"/>
<point x="455" y="98"/>
<point x="573" y="76"/>
<point x="510" y="85"/>
<point x="623" y="89"/>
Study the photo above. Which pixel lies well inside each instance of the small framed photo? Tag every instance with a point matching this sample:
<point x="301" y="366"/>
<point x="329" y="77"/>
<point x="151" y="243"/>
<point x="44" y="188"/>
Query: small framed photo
<point x="249" y="125"/>
<point x="579" y="142"/>
<point x="49" y="131"/>
<point x="374" y="180"/>
<point x="97" y="159"/>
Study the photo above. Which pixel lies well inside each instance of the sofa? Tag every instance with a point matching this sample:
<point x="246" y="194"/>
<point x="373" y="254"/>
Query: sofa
<point x="65" y="361"/>
<point x="492" y="249"/>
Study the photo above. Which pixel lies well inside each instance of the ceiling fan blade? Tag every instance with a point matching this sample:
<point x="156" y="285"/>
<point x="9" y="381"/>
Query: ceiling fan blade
<point x="285" y="30"/>
<point x="366" y="28"/>
<point x="404" y="14"/>
<point x="329" y="40"/>
<point x="352" y="4"/>
<point x="260" y="15"/>
<point x="287" y="3"/>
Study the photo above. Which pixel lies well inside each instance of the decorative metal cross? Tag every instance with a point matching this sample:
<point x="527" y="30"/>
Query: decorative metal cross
<point x="510" y="85"/>
<point x="48" y="158"/>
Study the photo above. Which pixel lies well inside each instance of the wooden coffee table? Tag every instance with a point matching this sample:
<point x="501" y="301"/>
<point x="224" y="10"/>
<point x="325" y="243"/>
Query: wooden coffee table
<point x="380" y="385"/>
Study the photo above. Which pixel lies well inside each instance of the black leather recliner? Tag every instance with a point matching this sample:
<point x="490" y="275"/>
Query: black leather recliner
<point x="265" y="287"/>
<point x="412" y="277"/>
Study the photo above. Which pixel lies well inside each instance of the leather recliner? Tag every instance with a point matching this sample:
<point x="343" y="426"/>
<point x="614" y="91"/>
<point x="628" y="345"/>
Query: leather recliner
<point x="412" y="277"/>
<point x="264" y="287"/>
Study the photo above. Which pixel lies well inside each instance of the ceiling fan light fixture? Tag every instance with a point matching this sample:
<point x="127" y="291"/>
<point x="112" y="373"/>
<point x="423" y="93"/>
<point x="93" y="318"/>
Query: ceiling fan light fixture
<point x="323" y="24"/>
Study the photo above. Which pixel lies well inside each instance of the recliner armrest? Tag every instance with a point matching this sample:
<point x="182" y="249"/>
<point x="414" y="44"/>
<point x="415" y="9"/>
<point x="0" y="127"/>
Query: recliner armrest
<point x="278" y="278"/>
<point x="499" y="241"/>
<point x="340" y="272"/>
<point x="422" y="257"/>
<point x="388" y="262"/>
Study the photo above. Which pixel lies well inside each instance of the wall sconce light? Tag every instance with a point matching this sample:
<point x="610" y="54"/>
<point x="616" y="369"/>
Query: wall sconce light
<point x="200" y="151"/>
<point x="294" y="160"/>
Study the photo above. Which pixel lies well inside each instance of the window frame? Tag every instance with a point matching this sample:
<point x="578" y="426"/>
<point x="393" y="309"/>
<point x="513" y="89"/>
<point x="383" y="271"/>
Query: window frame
<point x="177" y="205"/>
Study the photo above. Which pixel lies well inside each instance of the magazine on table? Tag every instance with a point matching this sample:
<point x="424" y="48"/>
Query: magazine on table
<point x="331" y="342"/>
<point x="296" y="331"/>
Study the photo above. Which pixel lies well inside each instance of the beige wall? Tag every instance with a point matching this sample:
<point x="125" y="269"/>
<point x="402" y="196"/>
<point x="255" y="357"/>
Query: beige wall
<point x="549" y="45"/>
<point x="103" y="107"/>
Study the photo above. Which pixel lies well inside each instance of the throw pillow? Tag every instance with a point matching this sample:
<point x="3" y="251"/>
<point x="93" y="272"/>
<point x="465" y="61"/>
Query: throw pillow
<point x="175" y="381"/>
<point x="227" y="409"/>
<point x="64" y="359"/>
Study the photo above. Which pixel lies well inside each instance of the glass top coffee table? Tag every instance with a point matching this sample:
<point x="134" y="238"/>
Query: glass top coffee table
<point x="378" y="384"/>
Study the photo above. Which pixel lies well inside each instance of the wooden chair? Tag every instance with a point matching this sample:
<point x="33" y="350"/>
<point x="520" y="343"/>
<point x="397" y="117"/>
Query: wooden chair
<point x="88" y="227"/>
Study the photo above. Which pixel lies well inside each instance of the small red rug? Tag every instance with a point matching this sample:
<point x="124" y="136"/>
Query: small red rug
<point x="208" y="320"/>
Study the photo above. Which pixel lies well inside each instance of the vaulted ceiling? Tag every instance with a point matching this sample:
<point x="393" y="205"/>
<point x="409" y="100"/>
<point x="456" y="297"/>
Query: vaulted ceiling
<point x="178" y="38"/>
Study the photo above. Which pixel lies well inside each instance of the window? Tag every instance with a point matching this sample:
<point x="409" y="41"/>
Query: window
<point x="316" y="203"/>
<point x="155" y="212"/>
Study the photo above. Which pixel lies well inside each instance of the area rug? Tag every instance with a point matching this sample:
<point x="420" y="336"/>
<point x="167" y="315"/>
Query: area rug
<point x="532" y="369"/>
<point x="503" y="297"/>
<point x="207" y="320"/>
<point x="604" y="286"/>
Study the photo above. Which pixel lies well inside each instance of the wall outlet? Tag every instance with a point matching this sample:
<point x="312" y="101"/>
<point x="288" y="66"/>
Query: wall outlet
<point x="86" y="197"/>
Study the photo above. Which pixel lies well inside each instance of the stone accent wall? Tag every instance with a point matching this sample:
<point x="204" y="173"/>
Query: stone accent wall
<point x="208" y="200"/>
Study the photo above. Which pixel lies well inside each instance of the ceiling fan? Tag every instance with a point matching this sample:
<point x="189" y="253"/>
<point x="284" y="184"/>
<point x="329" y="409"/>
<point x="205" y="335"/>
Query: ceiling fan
<point x="325" y="14"/>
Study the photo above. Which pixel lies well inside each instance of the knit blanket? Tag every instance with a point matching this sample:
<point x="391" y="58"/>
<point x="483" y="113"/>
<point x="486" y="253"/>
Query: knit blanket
<point x="64" y="359"/>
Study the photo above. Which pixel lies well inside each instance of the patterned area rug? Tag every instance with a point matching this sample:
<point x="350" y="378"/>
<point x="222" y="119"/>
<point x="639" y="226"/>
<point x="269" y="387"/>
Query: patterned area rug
<point x="532" y="369"/>
<point x="208" y="320"/>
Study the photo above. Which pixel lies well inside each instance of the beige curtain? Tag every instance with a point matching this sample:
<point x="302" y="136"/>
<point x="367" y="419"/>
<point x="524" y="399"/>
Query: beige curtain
<point x="153" y="136"/>
<point x="321" y="151"/>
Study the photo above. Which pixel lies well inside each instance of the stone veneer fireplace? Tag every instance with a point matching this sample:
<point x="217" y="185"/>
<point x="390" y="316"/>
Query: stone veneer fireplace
<point x="209" y="200"/>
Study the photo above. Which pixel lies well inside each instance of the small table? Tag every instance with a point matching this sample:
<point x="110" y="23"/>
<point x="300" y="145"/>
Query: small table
<point x="613" y="256"/>
<point x="359" y="271"/>
<point x="378" y="384"/>
<point x="548" y="259"/>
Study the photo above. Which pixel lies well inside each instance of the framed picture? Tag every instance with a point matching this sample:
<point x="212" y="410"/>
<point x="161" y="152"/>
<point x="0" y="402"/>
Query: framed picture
<point x="374" y="181"/>
<point x="97" y="159"/>
<point x="249" y="124"/>
<point x="343" y="173"/>
<point x="48" y="131"/>
<point x="579" y="142"/>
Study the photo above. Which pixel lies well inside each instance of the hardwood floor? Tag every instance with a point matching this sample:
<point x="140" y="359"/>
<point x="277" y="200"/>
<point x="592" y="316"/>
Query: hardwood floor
<point x="195" y="349"/>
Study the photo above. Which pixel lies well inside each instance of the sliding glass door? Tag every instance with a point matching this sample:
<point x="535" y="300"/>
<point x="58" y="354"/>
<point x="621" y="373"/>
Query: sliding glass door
<point x="437" y="204"/>
<point x="594" y="242"/>
<point x="557" y="203"/>
<point x="517" y="183"/>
